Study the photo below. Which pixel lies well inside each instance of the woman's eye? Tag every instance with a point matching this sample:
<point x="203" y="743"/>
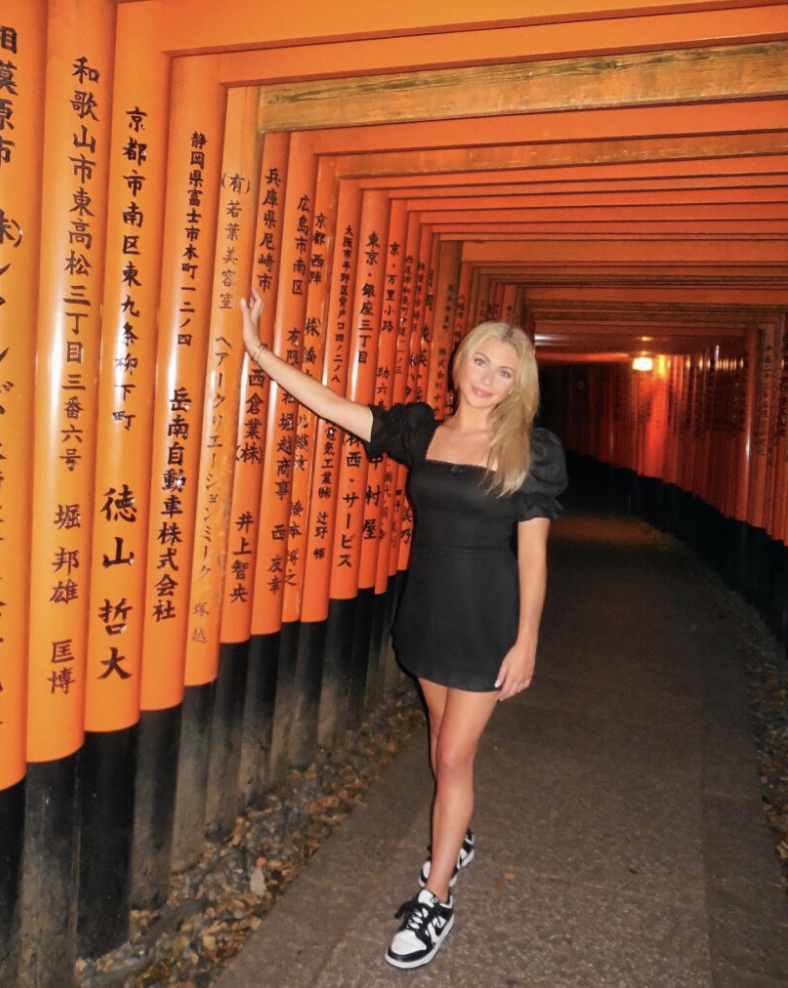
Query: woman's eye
<point x="507" y="374"/>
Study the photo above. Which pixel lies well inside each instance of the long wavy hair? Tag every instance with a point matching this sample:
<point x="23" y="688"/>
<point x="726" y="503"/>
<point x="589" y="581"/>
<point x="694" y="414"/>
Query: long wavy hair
<point x="512" y="419"/>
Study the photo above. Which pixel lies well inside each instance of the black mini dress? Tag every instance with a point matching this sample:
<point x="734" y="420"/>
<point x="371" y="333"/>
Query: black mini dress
<point x="459" y="612"/>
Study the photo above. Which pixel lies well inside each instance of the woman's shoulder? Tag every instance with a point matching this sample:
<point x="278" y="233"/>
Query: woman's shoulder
<point x="547" y="473"/>
<point x="402" y="430"/>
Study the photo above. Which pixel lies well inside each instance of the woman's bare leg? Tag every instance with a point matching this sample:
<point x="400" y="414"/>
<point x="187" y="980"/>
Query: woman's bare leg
<point x="435" y="697"/>
<point x="462" y="719"/>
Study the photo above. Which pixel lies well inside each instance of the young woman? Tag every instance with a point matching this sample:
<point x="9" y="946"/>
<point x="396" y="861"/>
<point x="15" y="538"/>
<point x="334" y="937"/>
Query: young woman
<point x="468" y="622"/>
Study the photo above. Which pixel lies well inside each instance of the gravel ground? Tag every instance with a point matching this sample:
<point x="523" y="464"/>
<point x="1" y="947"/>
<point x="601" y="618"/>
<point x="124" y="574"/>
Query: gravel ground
<point x="216" y="904"/>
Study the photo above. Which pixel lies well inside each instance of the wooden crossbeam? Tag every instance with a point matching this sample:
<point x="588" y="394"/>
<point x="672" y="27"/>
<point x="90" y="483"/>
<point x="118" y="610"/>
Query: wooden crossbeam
<point x="643" y="79"/>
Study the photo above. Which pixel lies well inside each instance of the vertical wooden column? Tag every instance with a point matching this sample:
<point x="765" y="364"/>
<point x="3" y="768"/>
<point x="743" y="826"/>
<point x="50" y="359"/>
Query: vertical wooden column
<point x="745" y="405"/>
<point x="462" y="310"/>
<point x="773" y="472"/>
<point x="22" y="100"/>
<point x="247" y="480"/>
<point x="446" y="290"/>
<point x="295" y="727"/>
<point x="473" y="298"/>
<point x="406" y="390"/>
<point x="193" y="181"/>
<point x="308" y="676"/>
<point x="121" y="752"/>
<point x="231" y="277"/>
<point x="383" y="502"/>
<point x="763" y="378"/>
<point x="430" y="243"/>
<point x="273" y="565"/>
<point x="369" y="605"/>
<point x="365" y="309"/>
<point x="483" y="302"/>
<point x="76" y="138"/>
<point x="509" y="303"/>
<point x="780" y="521"/>
<point x="121" y="499"/>
<point x="316" y="606"/>
<point x="724" y="402"/>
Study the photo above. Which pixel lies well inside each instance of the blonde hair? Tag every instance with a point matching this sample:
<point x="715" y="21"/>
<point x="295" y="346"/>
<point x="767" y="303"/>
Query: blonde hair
<point x="511" y="420"/>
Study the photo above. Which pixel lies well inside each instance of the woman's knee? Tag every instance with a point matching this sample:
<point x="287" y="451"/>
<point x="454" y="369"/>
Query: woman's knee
<point x="452" y="759"/>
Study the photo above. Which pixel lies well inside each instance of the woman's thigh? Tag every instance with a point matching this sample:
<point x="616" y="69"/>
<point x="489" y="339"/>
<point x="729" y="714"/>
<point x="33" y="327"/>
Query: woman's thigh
<point x="465" y="716"/>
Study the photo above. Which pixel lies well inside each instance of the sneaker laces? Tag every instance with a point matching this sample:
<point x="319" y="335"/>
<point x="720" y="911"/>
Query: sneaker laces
<point x="417" y="915"/>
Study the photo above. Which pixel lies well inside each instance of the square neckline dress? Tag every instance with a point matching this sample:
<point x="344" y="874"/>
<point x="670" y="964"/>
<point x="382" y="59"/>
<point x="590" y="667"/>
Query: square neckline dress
<point x="458" y="614"/>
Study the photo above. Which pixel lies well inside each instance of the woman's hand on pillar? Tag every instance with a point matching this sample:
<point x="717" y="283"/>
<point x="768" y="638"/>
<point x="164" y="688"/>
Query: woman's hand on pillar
<point x="251" y="309"/>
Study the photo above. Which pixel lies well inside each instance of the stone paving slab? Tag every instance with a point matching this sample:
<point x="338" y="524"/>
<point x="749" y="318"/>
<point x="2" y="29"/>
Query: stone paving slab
<point x="621" y="843"/>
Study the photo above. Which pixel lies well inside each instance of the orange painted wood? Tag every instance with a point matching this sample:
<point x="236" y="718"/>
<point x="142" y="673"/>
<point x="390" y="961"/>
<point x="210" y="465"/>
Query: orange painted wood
<point x="364" y="344"/>
<point x="636" y="79"/>
<point x="414" y="37"/>
<point x="408" y="351"/>
<point x="225" y="359"/>
<point x="779" y="437"/>
<point x="599" y="152"/>
<point x="446" y="292"/>
<point x="589" y="177"/>
<point x="570" y="125"/>
<point x="763" y="463"/>
<point x="20" y="199"/>
<point x="316" y="332"/>
<point x="375" y="543"/>
<point x="272" y="563"/>
<point x="744" y="423"/>
<point x="389" y="383"/>
<point x="324" y="499"/>
<point x="687" y="28"/>
<point x="673" y="254"/>
<point x="135" y="217"/>
<point x="584" y="199"/>
<point x="75" y="135"/>
<point x="193" y="181"/>
<point x="254" y="398"/>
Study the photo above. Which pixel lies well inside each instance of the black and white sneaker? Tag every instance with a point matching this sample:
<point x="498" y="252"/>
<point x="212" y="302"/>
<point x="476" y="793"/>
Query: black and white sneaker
<point x="426" y="923"/>
<point x="465" y="857"/>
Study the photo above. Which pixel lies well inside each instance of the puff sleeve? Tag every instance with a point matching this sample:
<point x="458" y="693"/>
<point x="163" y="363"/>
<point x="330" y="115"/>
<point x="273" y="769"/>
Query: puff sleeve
<point x="546" y="480"/>
<point x="403" y="431"/>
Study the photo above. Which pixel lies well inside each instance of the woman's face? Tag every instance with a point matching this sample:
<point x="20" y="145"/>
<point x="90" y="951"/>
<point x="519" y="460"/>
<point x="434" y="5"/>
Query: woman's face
<point x="489" y="373"/>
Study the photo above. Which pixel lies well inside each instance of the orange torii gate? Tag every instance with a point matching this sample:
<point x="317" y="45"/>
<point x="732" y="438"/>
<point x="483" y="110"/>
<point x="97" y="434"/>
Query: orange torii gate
<point x="174" y="628"/>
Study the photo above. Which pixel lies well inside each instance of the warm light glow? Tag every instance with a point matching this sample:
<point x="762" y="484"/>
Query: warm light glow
<point x="642" y="364"/>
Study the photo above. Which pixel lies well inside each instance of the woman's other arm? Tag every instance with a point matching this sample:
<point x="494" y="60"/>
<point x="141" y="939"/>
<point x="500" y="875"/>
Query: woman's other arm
<point x="349" y="415"/>
<point x="517" y="668"/>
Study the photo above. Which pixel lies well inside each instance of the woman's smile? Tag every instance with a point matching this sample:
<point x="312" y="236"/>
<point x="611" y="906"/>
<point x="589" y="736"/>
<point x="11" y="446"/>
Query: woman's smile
<point x="488" y="377"/>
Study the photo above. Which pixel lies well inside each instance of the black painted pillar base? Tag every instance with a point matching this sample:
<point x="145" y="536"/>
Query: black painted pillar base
<point x="226" y="732"/>
<point x="158" y="734"/>
<point x="392" y="672"/>
<point x="50" y="865"/>
<point x="772" y="585"/>
<point x="359" y="662"/>
<point x="188" y="834"/>
<point x="285" y="701"/>
<point x="258" y="718"/>
<point x="307" y="687"/>
<point x="334" y="699"/>
<point x="12" y="817"/>
<point x="108" y="769"/>
<point x="375" y="668"/>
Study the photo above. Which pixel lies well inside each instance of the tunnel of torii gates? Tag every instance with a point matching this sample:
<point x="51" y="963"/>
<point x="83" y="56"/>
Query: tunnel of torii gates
<point x="196" y="576"/>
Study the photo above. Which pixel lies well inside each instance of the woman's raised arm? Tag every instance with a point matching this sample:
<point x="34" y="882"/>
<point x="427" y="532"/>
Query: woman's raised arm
<point x="349" y="415"/>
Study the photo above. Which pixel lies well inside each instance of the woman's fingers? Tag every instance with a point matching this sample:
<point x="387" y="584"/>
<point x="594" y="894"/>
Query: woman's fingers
<point x="510" y="689"/>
